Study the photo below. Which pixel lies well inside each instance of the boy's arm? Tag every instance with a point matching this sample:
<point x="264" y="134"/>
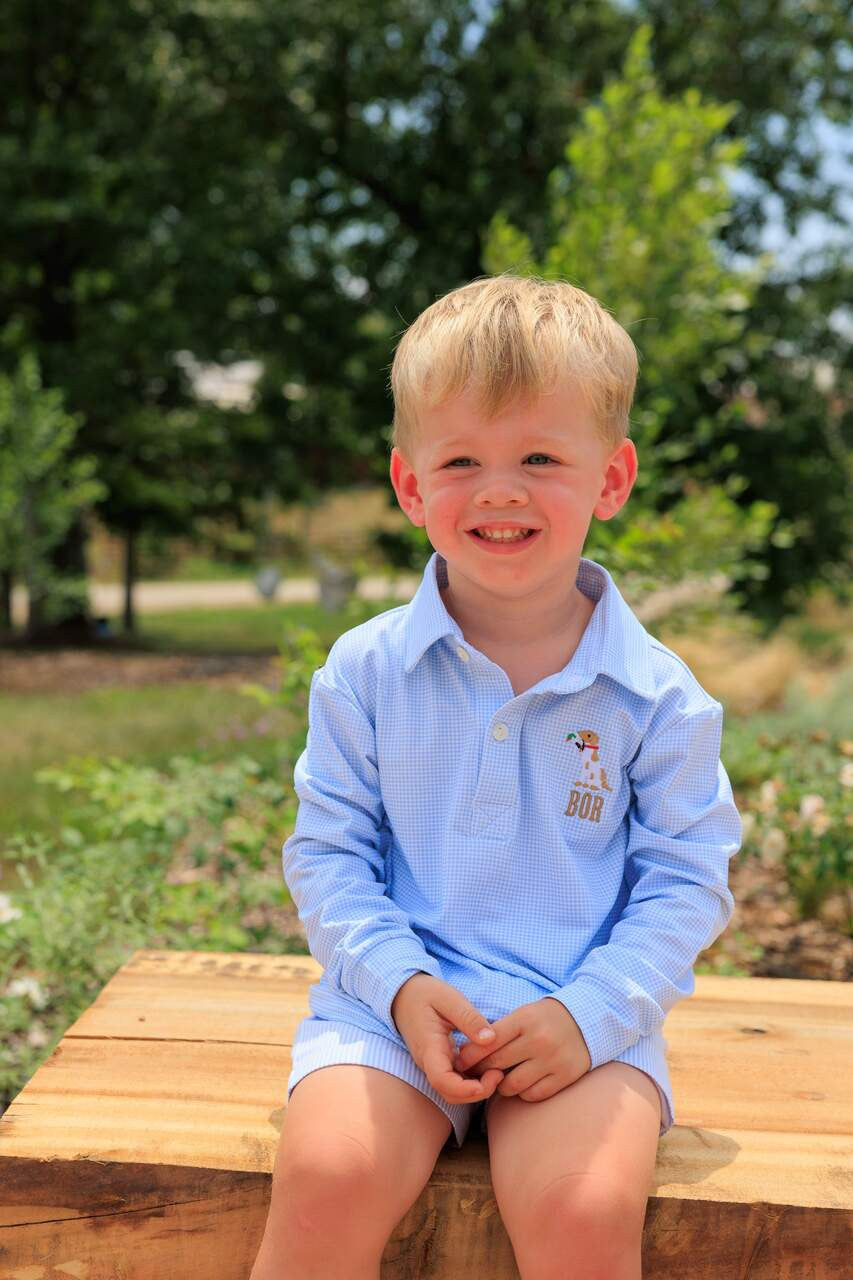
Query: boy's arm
<point x="332" y="862"/>
<point x="683" y="829"/>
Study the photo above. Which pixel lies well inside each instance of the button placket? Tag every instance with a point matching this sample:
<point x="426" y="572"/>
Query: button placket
<point x="495" y="798"/>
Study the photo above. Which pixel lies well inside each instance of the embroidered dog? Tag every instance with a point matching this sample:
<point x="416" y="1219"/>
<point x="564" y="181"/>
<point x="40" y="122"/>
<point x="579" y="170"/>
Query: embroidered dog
<point x="593" y="777"/>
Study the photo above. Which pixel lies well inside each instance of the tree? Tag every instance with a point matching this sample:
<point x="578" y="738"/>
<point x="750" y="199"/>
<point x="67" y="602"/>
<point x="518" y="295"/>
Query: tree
<point x="247" y="179"/>
<point x="633" y="214"/>
<point x="128" y="191"/>
<point x="42" y="489"/>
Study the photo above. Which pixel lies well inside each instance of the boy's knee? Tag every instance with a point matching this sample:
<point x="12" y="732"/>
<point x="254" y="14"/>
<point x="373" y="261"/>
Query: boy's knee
<point x="581" y="1206"/>
<point x="331" y="1187"/>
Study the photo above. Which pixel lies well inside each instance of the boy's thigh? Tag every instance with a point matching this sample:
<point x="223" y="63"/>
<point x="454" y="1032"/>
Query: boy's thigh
<point x="351" y="1125"/>
<point x="595" y="1141"/>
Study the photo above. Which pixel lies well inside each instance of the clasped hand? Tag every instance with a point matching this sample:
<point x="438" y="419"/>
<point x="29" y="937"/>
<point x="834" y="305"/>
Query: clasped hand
<point x="533" y="1052"/>
<point x="539" y="1044"/>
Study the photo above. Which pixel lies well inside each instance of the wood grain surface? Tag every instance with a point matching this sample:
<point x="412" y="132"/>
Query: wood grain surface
<point x="143" y="1148"/>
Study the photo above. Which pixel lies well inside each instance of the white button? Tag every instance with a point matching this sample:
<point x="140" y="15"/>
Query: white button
<point x="500" y="732"/>
<point x="463" y="653"/>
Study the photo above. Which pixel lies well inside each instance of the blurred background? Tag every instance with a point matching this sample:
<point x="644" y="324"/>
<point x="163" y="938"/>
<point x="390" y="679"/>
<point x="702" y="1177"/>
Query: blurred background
<point x="218" y="217"/>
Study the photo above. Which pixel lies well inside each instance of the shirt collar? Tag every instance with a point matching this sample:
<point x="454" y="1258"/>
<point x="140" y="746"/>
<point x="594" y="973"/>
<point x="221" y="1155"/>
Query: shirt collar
<point x="615" y="643"/>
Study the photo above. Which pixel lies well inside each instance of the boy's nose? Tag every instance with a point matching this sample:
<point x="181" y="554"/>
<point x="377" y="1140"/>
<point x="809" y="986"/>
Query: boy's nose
<point x="501" y="492"/>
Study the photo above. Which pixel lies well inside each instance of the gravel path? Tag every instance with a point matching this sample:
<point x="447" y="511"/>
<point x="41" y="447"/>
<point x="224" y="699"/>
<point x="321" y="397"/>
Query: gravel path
<point x="107" y="598"/>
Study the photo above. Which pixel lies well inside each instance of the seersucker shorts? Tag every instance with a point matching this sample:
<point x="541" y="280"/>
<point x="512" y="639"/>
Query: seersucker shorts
<point x="319" y="1042"/>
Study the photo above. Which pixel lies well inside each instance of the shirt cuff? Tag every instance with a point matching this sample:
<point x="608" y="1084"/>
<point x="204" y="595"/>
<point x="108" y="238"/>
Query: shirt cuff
<point x="390" y="965"/>
<point x="602" y="1031"/>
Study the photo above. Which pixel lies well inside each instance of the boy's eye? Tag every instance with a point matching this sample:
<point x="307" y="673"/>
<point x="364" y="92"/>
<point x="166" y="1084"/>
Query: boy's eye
<point x="542" y="456"/>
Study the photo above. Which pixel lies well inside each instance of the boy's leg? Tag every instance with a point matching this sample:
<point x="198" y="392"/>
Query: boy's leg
<point x="572" y="1174"/>
<point x="357" y="1148"/>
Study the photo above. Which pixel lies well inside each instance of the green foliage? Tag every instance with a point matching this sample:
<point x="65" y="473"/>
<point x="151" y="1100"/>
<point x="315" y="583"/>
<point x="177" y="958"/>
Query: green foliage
<point x="301" y="653"/>
<point x="796" y="810"/>
<point x="146" y="723"/>
<point x="42" y="486"/>
<point x="633" y="214"/>
<point x="186" y="857"/>
<point x="308" y="179"/>
<point x="250" y="629"/>
<point x="704" y="531"/>
<point x="407" y="548"/>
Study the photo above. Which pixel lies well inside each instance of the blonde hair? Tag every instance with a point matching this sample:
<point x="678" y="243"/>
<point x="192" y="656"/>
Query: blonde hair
<point x="509" y="337"/>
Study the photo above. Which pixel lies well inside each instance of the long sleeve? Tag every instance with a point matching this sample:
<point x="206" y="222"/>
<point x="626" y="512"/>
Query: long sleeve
<point x="683" y="829"/>
<point x="333" y="862"/>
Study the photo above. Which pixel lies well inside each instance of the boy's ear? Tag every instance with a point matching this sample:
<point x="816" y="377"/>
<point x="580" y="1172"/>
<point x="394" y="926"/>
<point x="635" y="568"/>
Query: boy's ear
<point x="619" y="476"/>
<point x="405" y="484"/>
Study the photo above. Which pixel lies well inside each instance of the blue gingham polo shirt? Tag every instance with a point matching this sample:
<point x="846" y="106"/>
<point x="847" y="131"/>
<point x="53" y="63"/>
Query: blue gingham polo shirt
<point x="572" y="841"/>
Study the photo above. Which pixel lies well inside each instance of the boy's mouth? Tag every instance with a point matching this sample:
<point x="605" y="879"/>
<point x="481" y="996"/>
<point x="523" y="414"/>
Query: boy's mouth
<point x="503" y="537"/>
<point x="501" y="529"/>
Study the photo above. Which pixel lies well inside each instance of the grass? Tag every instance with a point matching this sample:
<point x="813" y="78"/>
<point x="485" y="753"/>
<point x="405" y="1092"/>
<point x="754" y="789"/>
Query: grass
<point x="252" y="630"/>
<point x="150" y="723"/>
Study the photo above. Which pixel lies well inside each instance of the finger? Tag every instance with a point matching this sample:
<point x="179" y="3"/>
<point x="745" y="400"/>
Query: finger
<point x="442" y="1076"/>
<point x="438" y="1059"/>
<point x="476" y="1072"/>
<point x="458" y="1088"/>
<point x="521" y="1078"/>
<point x="459" y="1011"/>
<point x="544" y="1088"/>
<point x="491" y="1080"/>
<point x="505" y="1029"/>
<point x="504" y="1054"/>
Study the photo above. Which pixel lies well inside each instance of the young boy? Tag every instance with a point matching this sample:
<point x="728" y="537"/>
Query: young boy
<point x="514" y="827"/>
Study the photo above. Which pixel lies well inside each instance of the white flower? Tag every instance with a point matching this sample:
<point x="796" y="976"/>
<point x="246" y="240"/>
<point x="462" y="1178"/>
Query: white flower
<point x="774" y="844"/>
<point x="845" y="777"/>
<point x="7" y="911"/>
<point x="37" y="1036"/>
<point x="809" y="806"/>
<point x="767" y="796"/>
<point x="820" y="822"/>
<point x="30" y="988"/>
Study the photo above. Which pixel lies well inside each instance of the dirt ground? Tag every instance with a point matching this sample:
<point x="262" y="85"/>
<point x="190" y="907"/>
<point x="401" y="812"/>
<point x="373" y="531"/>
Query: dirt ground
<point x="77" y="670"/>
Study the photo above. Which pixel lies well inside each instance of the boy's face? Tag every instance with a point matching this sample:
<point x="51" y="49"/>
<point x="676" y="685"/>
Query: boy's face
<point x="540" y="465"/>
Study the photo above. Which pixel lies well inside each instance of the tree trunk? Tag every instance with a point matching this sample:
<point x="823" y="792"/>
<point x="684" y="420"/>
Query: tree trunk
<point x="6" y="600"/>
<point x="129" y="579"/>
<point x="35" y="589"/>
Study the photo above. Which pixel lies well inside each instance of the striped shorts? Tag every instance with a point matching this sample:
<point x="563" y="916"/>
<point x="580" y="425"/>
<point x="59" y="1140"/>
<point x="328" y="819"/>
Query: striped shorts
<point x="319" y="1042"/>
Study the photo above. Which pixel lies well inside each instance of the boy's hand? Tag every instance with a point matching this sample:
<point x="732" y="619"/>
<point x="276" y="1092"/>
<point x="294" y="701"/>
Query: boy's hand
<point x="540" y="1046"/>
<point x="426" y="1010"/>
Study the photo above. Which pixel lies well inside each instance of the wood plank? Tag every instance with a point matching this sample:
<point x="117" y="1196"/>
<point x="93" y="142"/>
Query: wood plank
<point x="195" y="1224"/>
<point x="143" y="1147"/>
<point x="162" y="1224"/>
<point x="217" y="1106"/>
<point x="794" y="1053"/>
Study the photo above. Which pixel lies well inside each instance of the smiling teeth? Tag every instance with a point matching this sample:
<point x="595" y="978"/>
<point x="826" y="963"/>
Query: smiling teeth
<point x="503" y="535"/>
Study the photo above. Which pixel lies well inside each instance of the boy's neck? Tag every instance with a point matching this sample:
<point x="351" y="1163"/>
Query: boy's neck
<point x="489" y="620"/>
